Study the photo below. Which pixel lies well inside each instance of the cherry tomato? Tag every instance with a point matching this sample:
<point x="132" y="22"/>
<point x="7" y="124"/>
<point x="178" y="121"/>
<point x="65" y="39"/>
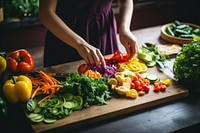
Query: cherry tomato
<point x="139" y="76"/>
<point x="141" y="82"/>
<point x="134" y="78"/>
<point x="132" y="85"/>
<point x="146" y="88"/>
<point x="157" y="88"/>
<point x="163" y="87"/>
<point x="137" y="84"/>
<point x="147" y="82"/>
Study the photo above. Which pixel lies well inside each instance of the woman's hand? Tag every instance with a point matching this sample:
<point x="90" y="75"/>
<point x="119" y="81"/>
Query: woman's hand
<point x="129" y="41"/>
<point x="91" y="55"/>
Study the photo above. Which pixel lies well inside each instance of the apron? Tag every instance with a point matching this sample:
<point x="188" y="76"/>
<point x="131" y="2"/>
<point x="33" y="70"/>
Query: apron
<point x="93" y="20"/>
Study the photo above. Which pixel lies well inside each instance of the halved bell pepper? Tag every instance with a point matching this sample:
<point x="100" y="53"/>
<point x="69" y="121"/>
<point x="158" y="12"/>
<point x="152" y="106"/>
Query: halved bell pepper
<point x="18" y="89"/>
<point x="20" y="61"/>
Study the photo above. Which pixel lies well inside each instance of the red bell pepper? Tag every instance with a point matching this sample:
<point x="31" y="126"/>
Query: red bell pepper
<point x="117" y="57"/>
<point x="20" y="61"/>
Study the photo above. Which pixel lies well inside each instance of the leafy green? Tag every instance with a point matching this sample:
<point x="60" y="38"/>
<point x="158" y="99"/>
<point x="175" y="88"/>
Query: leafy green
<point x="186" y="67"/>
<point x="93" y="91"/>
<point x="195" y="37"/>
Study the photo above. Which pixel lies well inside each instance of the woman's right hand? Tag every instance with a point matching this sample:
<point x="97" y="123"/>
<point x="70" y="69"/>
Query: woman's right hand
<point x="91" y="55"/>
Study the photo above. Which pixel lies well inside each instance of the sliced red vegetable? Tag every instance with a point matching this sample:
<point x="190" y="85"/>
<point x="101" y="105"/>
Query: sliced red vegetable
<point x="117" y="57"/>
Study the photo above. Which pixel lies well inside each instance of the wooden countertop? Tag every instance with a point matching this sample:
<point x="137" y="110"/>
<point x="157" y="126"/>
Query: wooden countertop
<point x="177" y="116"/>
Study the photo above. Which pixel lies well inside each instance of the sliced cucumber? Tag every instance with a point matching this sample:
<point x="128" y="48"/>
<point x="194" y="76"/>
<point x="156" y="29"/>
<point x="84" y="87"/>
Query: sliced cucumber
<point x="144" y="75"/>
<point x="151" y="63"/>
<point x="145" y="57"/>
<point x="79" y="101"/>
<point x="48" y="121"/>
<point x="70" y="105"/>
<point x="31" y="105"/>
<point x="38" y="118"/>
<point x="37" y="110"/>
<point x="32" y="115"/>
<point x="152" y="78"/>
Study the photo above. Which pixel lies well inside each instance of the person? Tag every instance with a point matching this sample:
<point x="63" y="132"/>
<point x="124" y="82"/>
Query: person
<point x="85" y="29"/>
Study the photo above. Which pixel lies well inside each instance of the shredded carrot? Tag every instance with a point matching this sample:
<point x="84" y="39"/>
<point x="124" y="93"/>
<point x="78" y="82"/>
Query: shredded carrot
<point x="43" y="99"/>
<point x="34" y="93"/>
<point x="93" y="74"/>
<point x="44" y="83"/>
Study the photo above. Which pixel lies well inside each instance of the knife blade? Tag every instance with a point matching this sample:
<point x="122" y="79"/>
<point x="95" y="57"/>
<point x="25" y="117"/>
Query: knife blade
<point x="164" y="68"/>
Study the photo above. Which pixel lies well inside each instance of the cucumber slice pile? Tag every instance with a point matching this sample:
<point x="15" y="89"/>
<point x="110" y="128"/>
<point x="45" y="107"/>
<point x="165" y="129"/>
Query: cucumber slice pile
<point x="54" y="108"/>
<point x="148" y="57"/>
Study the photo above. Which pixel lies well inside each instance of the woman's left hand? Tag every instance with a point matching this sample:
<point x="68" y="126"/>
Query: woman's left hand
<point x="129" y="41"/>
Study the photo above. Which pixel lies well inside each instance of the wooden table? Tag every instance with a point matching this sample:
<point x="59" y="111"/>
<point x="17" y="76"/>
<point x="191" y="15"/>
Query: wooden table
<point x="180" y="115"/>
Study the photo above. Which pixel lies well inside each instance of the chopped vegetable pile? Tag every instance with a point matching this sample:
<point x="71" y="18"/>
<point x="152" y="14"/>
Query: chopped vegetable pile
<point x="51" y="99"/>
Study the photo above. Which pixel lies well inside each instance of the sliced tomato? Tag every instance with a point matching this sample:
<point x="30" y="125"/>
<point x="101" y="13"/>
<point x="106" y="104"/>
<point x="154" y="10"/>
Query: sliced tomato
<point x="82" y="68"/>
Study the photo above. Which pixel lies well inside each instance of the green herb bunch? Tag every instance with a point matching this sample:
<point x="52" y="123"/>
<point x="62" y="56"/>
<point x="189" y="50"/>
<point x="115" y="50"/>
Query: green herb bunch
<point x="186" y="67"/>
<point x="93" y="91"/>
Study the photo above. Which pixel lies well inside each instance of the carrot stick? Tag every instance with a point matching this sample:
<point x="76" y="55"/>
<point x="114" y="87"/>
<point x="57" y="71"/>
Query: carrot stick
<point x="49" y="96"/>
<point x="34" y="93"/>
<point x="46" y="77"/>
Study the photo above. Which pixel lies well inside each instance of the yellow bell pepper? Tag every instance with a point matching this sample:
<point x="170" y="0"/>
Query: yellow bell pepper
<point x="3" y="64"/>
<point x="18" y="89"/>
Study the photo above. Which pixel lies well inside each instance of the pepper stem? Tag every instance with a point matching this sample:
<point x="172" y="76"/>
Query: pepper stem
<point x="20" y="59"/>
<point x="13" y="79"/>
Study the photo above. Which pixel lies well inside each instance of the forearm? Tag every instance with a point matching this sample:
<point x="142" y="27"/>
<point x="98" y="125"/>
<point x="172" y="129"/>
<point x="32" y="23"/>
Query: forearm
<point x="126" y="11"/>
<point x="53" y="23"/>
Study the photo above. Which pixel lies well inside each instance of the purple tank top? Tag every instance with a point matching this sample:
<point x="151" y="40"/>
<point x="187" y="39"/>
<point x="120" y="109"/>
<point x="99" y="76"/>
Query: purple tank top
<point x="93" y="20"/>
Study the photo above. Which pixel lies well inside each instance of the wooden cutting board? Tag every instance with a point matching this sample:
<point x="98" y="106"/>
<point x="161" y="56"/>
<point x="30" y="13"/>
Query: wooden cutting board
<point x="115" y="107"/>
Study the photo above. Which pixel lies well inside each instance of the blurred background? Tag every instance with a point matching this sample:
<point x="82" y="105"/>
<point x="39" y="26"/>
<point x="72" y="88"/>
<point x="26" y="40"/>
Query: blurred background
<point x="21" y="28"/>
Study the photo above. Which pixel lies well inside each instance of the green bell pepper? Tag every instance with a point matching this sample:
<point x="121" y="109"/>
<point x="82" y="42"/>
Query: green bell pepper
<point x="3" y="108"/>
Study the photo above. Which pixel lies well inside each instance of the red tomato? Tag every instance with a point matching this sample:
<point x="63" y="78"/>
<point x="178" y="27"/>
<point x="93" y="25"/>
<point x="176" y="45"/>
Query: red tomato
<point x="132" y="85"/>
<point x="137" y="84"/>
<point x="157" y="88"/>
<point x="163" y="87"/>
<point x="139" y="76"/>
<point x="146" y="88"/>
<point x="141" y="82"/>
<point x="134" y="78"/>
<point x="82" y="68"/>
<point x="147" y="82"/>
